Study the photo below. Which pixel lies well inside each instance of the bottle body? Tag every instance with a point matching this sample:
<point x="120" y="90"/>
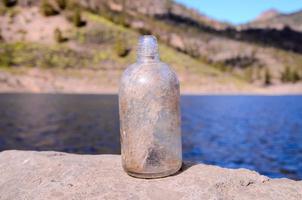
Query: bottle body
<point x="150" y="120"/>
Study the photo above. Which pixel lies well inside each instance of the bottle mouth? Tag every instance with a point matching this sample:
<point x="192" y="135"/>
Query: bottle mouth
<point x="147" y="47"/>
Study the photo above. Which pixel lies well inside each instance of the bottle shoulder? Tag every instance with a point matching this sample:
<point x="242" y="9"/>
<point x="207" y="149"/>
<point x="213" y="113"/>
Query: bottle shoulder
<point x="155" y="70"/>
<point x="150" y="75"/>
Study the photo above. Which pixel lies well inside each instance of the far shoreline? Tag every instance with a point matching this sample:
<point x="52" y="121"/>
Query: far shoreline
<point x="261" y="92"/>
<point x="53" y="82"/>
<point x="24" y="80"/>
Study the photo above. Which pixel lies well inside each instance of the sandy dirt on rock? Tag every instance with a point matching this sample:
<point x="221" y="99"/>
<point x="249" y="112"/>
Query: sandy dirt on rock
<point x="56" y="175"/>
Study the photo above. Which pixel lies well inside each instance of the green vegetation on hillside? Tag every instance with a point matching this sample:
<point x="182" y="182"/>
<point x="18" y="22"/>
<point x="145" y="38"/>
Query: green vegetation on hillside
<point x="100" y="46"/>
<point x="38" y="55"/>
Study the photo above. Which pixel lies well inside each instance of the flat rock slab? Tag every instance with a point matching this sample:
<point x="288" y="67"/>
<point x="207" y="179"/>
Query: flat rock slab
<point x="54" y="175"/>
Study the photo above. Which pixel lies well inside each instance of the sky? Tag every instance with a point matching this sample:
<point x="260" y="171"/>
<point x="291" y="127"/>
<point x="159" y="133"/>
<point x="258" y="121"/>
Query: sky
<point x="240" y="11"/>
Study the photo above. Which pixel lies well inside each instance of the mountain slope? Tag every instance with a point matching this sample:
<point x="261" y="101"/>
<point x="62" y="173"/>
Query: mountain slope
<point x="250" y="54"/>
<point x="88" y="61"/>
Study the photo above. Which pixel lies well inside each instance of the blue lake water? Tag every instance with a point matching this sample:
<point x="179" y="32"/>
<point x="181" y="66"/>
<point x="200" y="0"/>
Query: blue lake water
<point x="262" y="133"/>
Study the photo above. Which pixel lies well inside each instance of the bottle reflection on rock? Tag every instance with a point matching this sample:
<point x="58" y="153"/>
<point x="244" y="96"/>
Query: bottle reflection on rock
<point x="150" y="115"/>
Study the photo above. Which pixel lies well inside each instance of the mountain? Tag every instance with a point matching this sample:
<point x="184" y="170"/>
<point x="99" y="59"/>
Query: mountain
<point x="204" y="51"/>
<point x="269" y="14"/>
<point x="274" y="19"/>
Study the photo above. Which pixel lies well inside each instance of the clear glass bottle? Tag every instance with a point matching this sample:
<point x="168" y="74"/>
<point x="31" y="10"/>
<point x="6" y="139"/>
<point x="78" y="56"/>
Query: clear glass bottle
<point x="150" y="115"/>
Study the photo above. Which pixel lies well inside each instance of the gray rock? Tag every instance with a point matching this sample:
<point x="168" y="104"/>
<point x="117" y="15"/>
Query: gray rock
<point x="54" y="175"/>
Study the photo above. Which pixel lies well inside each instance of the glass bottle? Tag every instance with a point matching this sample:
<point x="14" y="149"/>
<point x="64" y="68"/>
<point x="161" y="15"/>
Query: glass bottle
<point x="150" y="115"/>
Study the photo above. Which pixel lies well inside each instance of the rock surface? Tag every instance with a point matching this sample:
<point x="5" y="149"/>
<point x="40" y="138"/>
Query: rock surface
<point x="55" y="175"/>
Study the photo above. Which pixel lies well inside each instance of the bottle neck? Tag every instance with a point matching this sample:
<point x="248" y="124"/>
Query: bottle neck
<point x="147" y="59"/>
<point x="147" y="50"/>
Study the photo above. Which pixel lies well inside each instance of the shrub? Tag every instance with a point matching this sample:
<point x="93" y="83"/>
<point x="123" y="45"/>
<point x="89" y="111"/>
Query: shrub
<point x="116" y="17"/>
<point x="289" y="75"/>
<point x="267" y="77"/>
<point x="77" y="18"/>
<point x="121" y="47"/>
<point x="47" y="9"/>
<point x="72" y="5"/>
<point x="295" y="77"/>
<point x="120" y="19"/>
<point x="58" y="36"/>
<point x="286" y="74"/>
<point x="9" y="3"/>
<point x="62" y="4"/>
<point x="1" y="37"/>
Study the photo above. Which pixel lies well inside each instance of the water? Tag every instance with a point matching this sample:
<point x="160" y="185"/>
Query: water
<point x="261" y="133"/>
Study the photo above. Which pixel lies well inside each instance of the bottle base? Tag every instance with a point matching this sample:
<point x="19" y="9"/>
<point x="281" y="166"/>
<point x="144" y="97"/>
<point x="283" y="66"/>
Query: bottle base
<point x="153" y="175"/>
